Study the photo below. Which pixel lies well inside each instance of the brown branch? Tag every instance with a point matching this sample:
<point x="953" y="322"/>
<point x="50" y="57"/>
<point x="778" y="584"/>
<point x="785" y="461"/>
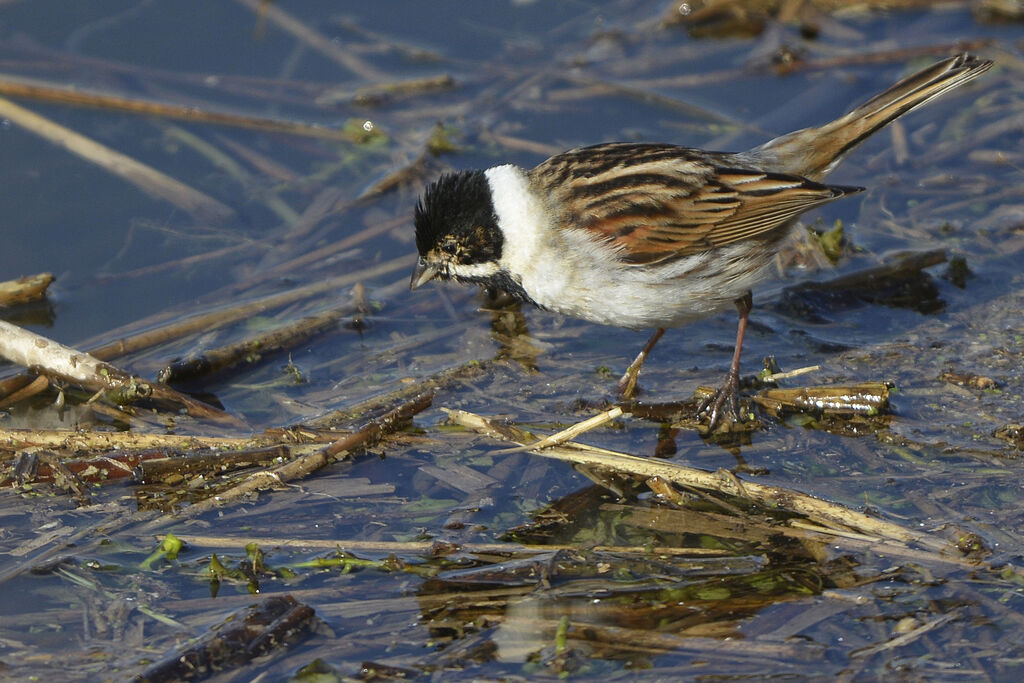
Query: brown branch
<point x="15" y="86"/>
<point x="834" y="519"/>
<point x="146" y="178"/>
<point x="251" y="349"/>
<point x="307" y="464"/>
<point x="204" y="322"/>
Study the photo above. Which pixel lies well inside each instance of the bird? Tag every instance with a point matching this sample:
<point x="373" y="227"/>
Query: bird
<point x="650" y="235"/>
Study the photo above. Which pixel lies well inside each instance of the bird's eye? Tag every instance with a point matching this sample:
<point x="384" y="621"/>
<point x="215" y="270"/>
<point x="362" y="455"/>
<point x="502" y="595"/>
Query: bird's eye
<point x="451" y="246"/>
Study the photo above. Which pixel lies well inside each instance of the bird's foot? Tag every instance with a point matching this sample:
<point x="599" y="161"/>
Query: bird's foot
<point x="725" y="401"/>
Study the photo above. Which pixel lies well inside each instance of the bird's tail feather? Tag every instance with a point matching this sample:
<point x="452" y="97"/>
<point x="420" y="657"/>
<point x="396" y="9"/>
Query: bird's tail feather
<point x="803" y="153"/>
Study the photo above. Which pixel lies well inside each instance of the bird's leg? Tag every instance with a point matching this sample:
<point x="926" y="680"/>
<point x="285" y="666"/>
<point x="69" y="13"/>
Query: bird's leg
<point x="730" y="391"/>
<point x="627" y="385"/>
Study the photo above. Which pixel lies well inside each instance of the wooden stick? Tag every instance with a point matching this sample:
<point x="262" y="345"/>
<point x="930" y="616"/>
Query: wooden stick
<point x="309" y="463"/>
<point x="15" y="86"/>
<point x="251" y="349"/>
<point x="568" y="433"/>
<point x="823" y="512"/>
<point x="40" y="354"/>
<point x="146" y="178"/>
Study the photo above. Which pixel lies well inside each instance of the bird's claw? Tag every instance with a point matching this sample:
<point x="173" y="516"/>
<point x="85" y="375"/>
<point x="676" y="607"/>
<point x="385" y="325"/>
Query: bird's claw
<point x="727" y="397"/>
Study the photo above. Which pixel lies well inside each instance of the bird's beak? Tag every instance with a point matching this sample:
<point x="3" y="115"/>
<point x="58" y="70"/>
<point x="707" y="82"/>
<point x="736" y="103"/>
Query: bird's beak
<point x="422" y="274"/>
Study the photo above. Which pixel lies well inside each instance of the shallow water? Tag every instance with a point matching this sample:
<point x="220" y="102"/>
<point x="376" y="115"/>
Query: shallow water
<point x="529" y="78"/>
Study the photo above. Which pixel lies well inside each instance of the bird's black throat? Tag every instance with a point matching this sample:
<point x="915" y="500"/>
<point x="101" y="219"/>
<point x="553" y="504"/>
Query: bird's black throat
<point x="503" y="282"/>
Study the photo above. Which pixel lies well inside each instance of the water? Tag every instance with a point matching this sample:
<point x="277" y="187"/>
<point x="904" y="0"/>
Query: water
<point x="529" y="77"/>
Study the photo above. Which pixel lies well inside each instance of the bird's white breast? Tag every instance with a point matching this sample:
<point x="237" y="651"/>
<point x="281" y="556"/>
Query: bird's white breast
<point x="568" y="270"/>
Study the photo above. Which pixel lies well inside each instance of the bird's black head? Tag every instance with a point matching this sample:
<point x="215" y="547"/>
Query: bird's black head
<point x="457" y="233"/>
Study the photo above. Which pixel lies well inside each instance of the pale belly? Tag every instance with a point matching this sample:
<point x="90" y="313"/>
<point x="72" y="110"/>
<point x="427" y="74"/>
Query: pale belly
<point x="643" y="296"/>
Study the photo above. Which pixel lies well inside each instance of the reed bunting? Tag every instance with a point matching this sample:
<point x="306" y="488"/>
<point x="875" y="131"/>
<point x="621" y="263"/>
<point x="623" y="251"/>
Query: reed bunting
<point x="643" y="235"/>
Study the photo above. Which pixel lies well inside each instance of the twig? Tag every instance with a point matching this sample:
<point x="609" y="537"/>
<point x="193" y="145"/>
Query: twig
<point x="40" y="354"/>
<point x="251" y="632"/>
<point x="224" y="162"/>
<point x="432" y="547"/>
<point x="252" y="349"/>
<point x="206" y="463"/>
<point x="24" y="289"/>
<point x="184" y="262"/>
<point x="384" y="93"/>
<point x="270" y="168"/>
<point x="792" y="373"/>
<point x="32" y="387"/>
<point x="15" y="86"/>
<point x="907" y="637"/>
<point x="322" y="253"/>
<point x="219" y="318"/>
<point x="825" y="513"/>
<point x="568" y="433"/>
<point x="307" y="464"/>
<point x="314" y="39"/>
<point x="73" y="440"/>
<point x="144" y="177"/>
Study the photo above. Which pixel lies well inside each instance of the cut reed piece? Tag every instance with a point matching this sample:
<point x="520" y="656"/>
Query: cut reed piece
<point x="42" y="355"/>
<point x="868" y="398"/>
<point x="831" y="517"/>
<point x="28" y="389"/>
<point x="385" y="93"/>
<point x="77" y="441"/>
<point x="436" y="547"/>
<point x="146" y="178"/>
<point x="14" y="86"/>
<point x="250" y="350"/>
<point x="24" y="289"/>
<point x="254" y="631"/>
<point x="568" y="433"/>
<point x="306" y="464"/>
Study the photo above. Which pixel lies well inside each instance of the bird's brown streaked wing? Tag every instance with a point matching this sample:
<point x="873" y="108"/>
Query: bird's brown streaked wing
<point x="659" y="209"/>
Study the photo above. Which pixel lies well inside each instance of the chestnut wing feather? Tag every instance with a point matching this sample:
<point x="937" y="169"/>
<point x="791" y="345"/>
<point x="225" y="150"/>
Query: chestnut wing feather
<point x="656" y="203"/>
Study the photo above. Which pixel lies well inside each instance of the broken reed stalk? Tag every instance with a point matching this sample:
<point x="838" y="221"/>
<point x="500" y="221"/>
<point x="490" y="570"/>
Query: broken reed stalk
<point x="15" y="86"/>
<point x="249" y="350"/>
<point x="269" y="198"/>
<point x="434" y="547"/>
<point x="315" y="40"/>
<point x="305" y="465"/>
<point x="205" y="322"/>
<point x="567" y="434"/>
<point x="307" y="259"/>
<point x="74" y="441"/>
<point x="27" y="389"/>
<point x="827" y="514"/>
<point x="42" y="355"/>
<point x="254" y="631"/>
<point x="146" y="178"/>
<point x="224" y="316"/>
<point x="24" y="289"/>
